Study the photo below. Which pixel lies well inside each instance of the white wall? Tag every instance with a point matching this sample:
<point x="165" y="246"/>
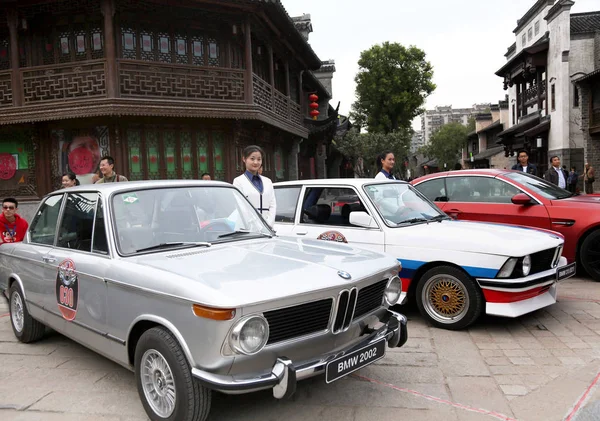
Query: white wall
<point x="531" y="24"/>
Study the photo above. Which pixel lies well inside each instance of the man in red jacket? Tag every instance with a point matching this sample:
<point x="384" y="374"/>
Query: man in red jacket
<point x="12" y="226"/>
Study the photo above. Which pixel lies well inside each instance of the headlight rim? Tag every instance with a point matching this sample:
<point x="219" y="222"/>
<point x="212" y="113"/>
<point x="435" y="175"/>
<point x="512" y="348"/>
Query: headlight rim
<point x="510" y="262"/>
<point x="523" y="265"/>
<point x="390" y="281"/>
<point x="234" y="336"/>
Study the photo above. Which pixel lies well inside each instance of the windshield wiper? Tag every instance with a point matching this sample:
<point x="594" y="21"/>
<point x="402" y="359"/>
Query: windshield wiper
<point x="241" y="232"/>
<point x="175" y="244"/>
<point x="412" y="221"/>
<point x="439" y="218"/>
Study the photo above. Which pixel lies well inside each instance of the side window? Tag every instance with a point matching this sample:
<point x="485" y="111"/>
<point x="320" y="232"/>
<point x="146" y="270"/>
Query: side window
<point x="330" y="206"/>
<point x="77" y="223"/>
<point x="434" y="190"/>
<point x="100" y="244"/>
<point x="479" y="190"/>
<point x="287" y="203"/>
<point x="43" y="226"/>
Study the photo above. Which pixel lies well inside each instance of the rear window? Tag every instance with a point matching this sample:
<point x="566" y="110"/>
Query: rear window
<point x="287" y="203"/>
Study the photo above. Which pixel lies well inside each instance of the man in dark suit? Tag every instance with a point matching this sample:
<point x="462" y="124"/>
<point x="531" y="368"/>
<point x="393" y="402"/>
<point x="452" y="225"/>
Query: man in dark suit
<point x="524" y="164"/>
<point x="555" y="174"/>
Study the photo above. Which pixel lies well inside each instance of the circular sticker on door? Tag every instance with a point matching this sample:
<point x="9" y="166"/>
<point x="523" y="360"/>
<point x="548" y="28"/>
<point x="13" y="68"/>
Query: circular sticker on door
<point x="67" y="289"/>
<point x="332" y="236"/>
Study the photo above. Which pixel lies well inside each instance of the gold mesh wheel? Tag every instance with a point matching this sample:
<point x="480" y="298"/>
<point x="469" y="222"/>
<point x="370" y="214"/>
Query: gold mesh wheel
<point x="445" y="298"/>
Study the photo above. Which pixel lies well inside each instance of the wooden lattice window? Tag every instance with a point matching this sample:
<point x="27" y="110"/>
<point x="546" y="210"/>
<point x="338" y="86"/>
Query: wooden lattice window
<point x="218" y="144"/>
<point x="181" y="49"/>
<point x="214" y="53"/>
<point x="4" y="52"/>
<point x="134" y="145"/>
<point x="164" y="47"/>
<point x="198" y="50"/>
<point x="202" y="153"/>
<point x="170" y="156"/>
<point x="129" y="43"/>
<point x="147" y="45"/>
<point x="186" y="158"/>
<point x="152" y="154"/>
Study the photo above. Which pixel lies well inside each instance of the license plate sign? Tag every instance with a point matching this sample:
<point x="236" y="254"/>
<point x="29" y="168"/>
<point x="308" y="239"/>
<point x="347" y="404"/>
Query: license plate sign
<point x="353" y="361"/>
<point x="566" y="271"/>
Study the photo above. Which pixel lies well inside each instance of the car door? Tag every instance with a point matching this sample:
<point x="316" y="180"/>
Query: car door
<point x="287" y="206"/>
<point x="325" y="214"/>
<point x="35" y="260"/>
<point x="82" y="261"/>
<point x="488" y="199"/>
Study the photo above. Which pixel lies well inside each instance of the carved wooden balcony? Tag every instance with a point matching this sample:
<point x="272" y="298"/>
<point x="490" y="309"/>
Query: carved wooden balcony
<point x="5" y="89"/>
<point x="271" y="99"/>
<point x="531" y="94"/>
<point x="142" y="79"/>
<point x="64" y="81"/>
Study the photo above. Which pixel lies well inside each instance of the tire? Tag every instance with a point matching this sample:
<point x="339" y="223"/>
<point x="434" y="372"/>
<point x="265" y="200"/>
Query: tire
<point x="589" y="255"/>
<point x="159" y="358"/>
<point x="25" y="327"/>
<point x="448" y="298"/>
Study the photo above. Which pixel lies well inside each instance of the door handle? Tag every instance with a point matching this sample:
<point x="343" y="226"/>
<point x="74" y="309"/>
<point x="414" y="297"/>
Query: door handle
<point x="48" y="259"/>
<point x="301" y="232"/>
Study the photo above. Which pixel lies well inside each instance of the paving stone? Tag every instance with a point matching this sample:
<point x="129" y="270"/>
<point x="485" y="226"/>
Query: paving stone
<point x="521" y="361"/>
<point x="408" y="359"/>
<point x="475" y="391"/>
<point x="514" y="389"/>
<point x="497" y="361"/>
<point x="486" y="353"/>
<point x="571" y="360"/>
<point x="515" y="353"/>
<point x="442" y="413"/>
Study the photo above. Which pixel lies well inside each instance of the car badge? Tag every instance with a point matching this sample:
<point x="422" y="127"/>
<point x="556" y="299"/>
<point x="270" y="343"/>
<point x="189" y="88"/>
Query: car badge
<point x="344" y="275"/>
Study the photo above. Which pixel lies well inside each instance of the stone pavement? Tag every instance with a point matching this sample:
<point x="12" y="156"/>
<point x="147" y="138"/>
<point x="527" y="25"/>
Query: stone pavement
<point x="543" y="366"/>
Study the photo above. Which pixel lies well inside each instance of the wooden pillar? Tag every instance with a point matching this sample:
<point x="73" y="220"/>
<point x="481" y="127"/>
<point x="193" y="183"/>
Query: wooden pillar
<point x="112" y="79"/>
<point x="538" y="84"/>
<point x="301" y="94"/>
<point x="249" y="92"/>
<point x="286" y="68"/>
<point x="524" y="99"/>
<point x="518" y="102"/>
<point x="17" y="89"/>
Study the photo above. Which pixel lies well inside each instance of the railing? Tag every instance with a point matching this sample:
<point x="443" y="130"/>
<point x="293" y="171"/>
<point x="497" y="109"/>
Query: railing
<point x="5" y="89"/>
<point x="271" y="99"/>
<point x="174" y="81"/>
<point x="531" y="94"/>
<point x="64" y="81"/>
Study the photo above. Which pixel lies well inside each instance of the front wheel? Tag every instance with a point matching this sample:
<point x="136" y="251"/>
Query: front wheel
<point x="164" y="380"/>
<point x="25" y="327"/>
<point x="590" y="255"/>
<point x="449" y="298"/>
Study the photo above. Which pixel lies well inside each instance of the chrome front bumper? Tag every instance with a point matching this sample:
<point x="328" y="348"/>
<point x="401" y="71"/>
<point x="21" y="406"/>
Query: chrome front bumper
<point x="284" y="374"/>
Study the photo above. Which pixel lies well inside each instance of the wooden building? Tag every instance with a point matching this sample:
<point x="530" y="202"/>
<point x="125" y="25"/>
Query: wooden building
<point x="170" y="88"/>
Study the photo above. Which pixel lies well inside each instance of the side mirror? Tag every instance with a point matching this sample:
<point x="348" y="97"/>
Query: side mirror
<point x="362" y="219"/>
<point x="521" y="199"/>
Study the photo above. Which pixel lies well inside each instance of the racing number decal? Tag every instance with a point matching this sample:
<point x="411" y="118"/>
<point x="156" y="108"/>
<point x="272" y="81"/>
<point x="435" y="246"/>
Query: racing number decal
<point x="67" y="289"/>
<point x="332" y="236"/>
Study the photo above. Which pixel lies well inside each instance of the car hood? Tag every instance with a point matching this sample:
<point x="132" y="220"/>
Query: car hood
<point x="479" y="237"/>
<point x="246" y="272"/>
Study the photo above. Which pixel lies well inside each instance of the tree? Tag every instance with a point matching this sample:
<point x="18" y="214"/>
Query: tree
<point x="445" y="145"/>
<point x="362" y="149"/>
<point x="391" y="86"/>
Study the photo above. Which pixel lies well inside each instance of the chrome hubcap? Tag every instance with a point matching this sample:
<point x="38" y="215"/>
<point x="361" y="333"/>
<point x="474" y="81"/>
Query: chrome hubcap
<point x="16" y="311"/>
<point x="158" y="383"/>
<point x="445" y="299"/>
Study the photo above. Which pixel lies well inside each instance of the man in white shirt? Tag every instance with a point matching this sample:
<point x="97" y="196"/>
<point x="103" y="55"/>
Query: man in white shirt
<point x="555" y="174"/>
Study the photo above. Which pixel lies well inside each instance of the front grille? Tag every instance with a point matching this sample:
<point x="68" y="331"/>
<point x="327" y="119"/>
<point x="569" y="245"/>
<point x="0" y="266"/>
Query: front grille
<point x="542" y="260"/>
<point x="345" y="310"/>
<point x="369" y="298"/>
<point x="291" y="322"/>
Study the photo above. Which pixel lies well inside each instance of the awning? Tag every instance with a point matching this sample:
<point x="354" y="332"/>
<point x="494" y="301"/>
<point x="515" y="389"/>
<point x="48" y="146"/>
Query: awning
<point x="472" y="135"/>
<point x="543" y="127"/>
<point x="528" y="123"/>
<point x="488" y="153"/>
<point x="588" y="77"/>
<point x="540" y="45"/>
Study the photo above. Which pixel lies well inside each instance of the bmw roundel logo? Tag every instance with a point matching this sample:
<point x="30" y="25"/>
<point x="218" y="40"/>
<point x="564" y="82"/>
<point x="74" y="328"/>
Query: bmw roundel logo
<point x="344" y="275"/>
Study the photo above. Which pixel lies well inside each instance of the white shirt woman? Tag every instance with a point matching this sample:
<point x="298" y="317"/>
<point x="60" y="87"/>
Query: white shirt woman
<point x="257" y="188"/>
<point x="385" y="163"/>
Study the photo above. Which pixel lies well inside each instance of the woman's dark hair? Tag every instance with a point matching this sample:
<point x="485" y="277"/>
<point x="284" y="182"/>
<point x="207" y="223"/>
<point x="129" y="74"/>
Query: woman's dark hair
<point x="380" y="158"/>
<point x="72" y="177"/>
<point x="249" y="150"/>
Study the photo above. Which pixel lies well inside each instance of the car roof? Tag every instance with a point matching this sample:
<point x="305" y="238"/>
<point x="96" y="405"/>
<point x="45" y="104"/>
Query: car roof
<point x="477" y="171"/>
<point x="355" y="182"/>
<point x="108" y="188"/>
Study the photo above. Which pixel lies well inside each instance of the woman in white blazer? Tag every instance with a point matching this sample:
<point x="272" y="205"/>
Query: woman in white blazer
<point x="257" y="188"/>
<point x="385" y="164"/>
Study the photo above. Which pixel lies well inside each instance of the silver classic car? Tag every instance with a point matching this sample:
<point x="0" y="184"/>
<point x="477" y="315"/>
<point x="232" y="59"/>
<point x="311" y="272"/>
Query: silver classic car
<point x="184" y="283"/>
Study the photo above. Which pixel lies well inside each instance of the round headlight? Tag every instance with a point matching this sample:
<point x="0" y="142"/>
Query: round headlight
<point x="249" y="335"/>
<point x="526" y="265"/>
<point x="393" y="290"/>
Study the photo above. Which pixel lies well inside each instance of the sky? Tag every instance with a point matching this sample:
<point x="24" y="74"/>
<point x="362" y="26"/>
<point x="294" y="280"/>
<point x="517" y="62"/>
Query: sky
<point x="465" y="41"/>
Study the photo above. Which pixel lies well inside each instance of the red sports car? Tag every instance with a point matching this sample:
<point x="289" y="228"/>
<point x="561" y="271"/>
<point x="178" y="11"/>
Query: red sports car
<point x="517" y="198"/>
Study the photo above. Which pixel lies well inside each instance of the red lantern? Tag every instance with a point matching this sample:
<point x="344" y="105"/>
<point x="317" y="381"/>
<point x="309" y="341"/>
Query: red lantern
<point x="314" y="105"/>
<point x="314" y="114"/>
<point x="313" y="98"/>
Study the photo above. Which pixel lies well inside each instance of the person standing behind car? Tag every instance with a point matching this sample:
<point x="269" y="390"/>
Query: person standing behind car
<point x="555" y="174"/>
<point x="588" y="179"/>
<point x="107" y="165"/>
<point x="12" y="226"/>
<point x="385" y="165"/>
<point x="257" y="188"/>
<point x="572" y="180"/>
<point x="524" y="164"/>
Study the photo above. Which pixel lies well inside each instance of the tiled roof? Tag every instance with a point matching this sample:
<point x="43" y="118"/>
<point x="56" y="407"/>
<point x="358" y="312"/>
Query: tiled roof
<point x="539" y="5"/>
<point x="585" y="22"/>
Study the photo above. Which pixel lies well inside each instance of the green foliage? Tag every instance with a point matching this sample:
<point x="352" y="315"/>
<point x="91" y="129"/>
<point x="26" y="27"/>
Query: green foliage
<point x="471" y="125"/>
<point x="367" y="146"/>
<point x="445" y="145"/>
<point x="391" y="86"/>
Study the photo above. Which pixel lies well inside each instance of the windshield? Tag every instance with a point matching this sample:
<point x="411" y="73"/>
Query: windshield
<point x="155" y="219"/>
<point x="401" y="204"/>
<point x="539" y="186"/>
